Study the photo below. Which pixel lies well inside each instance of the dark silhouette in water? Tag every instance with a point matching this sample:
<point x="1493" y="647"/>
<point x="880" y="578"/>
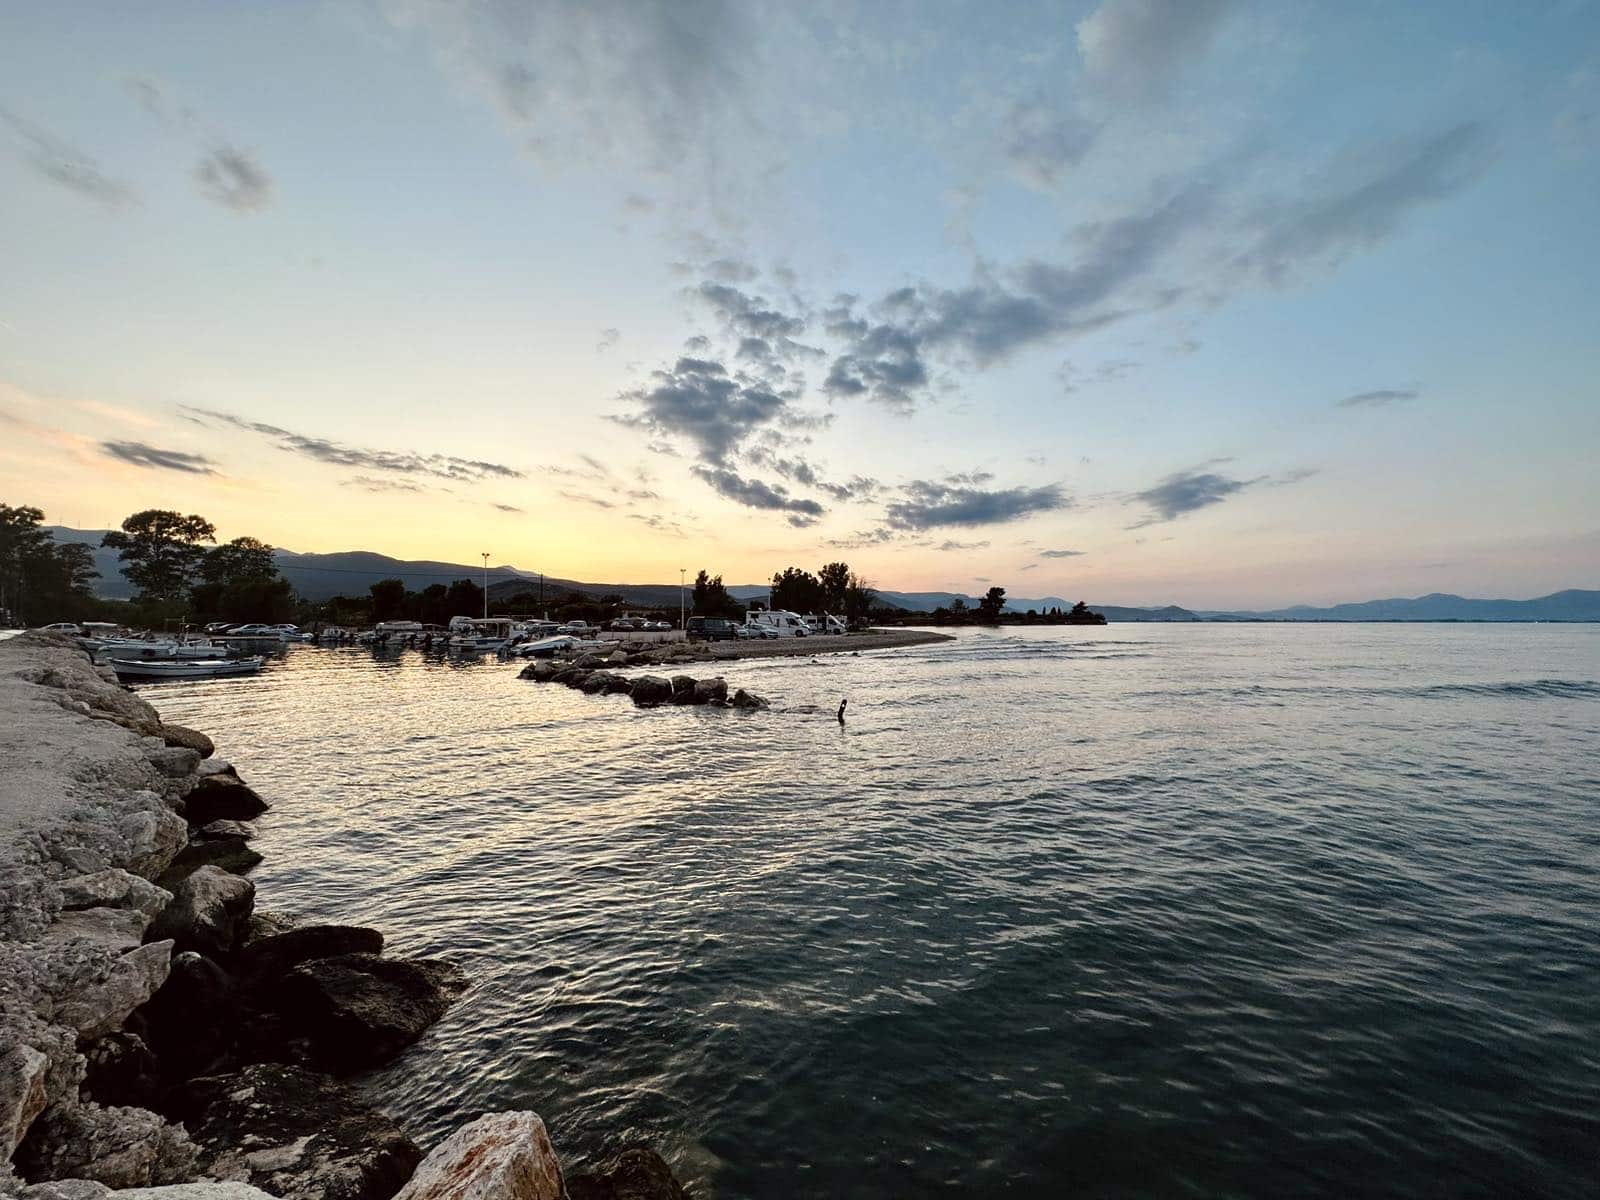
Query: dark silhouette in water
<point x="842" y="703"/>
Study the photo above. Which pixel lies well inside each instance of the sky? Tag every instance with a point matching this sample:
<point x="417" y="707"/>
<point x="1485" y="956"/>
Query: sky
<point x="1206" y="302"/>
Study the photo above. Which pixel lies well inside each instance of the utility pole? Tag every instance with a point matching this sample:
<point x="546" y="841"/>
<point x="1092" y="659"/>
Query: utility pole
<point x="683" y="622"/>
<point x="485" y="585"/>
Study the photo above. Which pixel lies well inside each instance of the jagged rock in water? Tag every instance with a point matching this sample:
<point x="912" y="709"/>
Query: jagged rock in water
<point x="588" y="662"/>
<point x="190" y="739"/>
<point x="682" y="689"/>
<point x="221" y="797"/>
<point x="120" y="1070"/>
<point x="209" y="912"/>
<point x="500" y="1156"/>
<point x="96" y="1005"/>
<point x="119" y="1147"/>
<point x="266" y="959"/>
<point x="229" y="853"/>
<point x="357" y="1010"/>
<point x="296" y="1134"/>
<point x="711" y="691"/>
<point x="597" y="682"/>
<point x="265" y="924"/>
<point x="192" y="1021"/>
<point x="217" y="766"/>
<point x="175" y="762"/>
<point x="23" y="1095"/>
<point x="637" y="1173"/>
<point x="744" y="699"/>
<point x="651" y="689"/>
<point x="113" y="888"/>
<point x="224" y="829"/>
<point x="155" y="835"/>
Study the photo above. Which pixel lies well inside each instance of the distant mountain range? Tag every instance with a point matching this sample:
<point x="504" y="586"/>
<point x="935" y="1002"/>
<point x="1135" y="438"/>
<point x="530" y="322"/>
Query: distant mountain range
<point x="352" y="572"/>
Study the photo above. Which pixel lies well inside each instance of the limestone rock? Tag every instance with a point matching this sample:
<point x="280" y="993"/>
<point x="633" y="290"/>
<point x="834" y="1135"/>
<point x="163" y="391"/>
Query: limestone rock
<point x="500" y="1156"/>
<point x="189" y="739"/>
<point x="113" y="888"/>
<point x="651" y="689"/>
<point x="23" y="1071"/>
<point x="208" y="913"/>
<point x="297" y="1135"/>
<point x="155" y="835"/>
<point x="231" y="854"/>
<point x="358" y="1010"/>
<point x="206" y="1189"/>
<point x="119" y="1147"/>
<point x="220" y="830"/>
<point x="191" y="1022"/>
<point x="175" y="762"/>
<point x="221" y="797"/>
<point x="217" y="766"/>
<point x="117" y="929"/>
<point x="638" y="1173"/>
<point x="682" y="689"/>
<point x="268" y="958"/>
<point x="94" y="1008"/>
<point x="68" y="1189"/>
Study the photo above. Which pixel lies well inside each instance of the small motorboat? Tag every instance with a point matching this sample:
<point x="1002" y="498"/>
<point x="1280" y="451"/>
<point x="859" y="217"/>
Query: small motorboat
<point x="170" y="668"/>
<point x="565" y="644"/>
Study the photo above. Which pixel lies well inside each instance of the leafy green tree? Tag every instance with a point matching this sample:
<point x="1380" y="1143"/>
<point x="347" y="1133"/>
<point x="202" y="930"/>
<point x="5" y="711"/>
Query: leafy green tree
<point x="710" y="598"/>
<point x="464" y="599"/>
<point x="858" y="600"/>
<point x="796" y="590"/>
<point x="241" y="559"/>
<point x="161" y="551"/>
<point x="835" y="579"/>
<point x="388" y="599"/>
<point x="992" y="604"/>
<point x="434" y="606"/>
<point x="23" y="544"/>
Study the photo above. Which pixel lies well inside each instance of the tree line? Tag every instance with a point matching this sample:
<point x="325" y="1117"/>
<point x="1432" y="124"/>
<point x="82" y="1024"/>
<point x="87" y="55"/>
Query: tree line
<point x="834" y="589"/>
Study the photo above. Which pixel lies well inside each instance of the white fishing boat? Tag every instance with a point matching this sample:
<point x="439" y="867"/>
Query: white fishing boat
<point x="146" y="670"/>
<point x="561" y="644"/>
<point x="478" y="636"/>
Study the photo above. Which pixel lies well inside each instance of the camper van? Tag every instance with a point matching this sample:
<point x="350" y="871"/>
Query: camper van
<point x="784" y="624"/>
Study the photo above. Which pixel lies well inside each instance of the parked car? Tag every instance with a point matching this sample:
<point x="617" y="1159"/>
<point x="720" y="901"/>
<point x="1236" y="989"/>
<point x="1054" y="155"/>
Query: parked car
<point x="711" y="629"/>
<point x="66" y="627"/>
<point x="752" y="630"/>
<point x="217" y="627"/>
<point x="658" y="626"/>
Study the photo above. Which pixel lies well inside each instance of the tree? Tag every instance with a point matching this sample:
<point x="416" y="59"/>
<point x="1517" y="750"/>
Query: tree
<point x="161" y="551"/>
<point x="858" y="600"/>
<point x="835" y="579"/>
<point x="710" y="598"/>
<point x="388" y="599"/>
<point x="464" y="599"/>
<point x="992" y="604"/>
<point x="236" y="561"/>
<point x="22" y="545"/>
<point x="797" y="591"/>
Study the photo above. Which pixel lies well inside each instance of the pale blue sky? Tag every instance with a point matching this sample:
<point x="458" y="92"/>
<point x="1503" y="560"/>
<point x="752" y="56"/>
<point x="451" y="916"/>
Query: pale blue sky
<point x="1152" y="251"/>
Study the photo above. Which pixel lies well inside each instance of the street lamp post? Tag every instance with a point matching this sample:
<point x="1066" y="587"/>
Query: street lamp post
<point x="683" y="622"/>
<point x="485" y="585"/>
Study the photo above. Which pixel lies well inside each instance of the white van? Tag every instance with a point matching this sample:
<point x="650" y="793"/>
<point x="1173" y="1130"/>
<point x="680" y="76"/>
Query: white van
<point x="784" y="624"/>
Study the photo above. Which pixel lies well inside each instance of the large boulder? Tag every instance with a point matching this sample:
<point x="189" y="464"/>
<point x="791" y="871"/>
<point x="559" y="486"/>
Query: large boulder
<point x="117" y="929"/>
<point x="119" y="1147"/>
<point x="358" y="1010"/>
<point x="229" y="853"/>
<point x="225" y="829"/>
<point x="711" y="691"/>
<point x="638" y="1173"/>
<point x="598" y="682"/>
<point x="747" y="700"/>
<point x="650" y="690"/>
<point x="221" y="797"/>
<point x="154" y="836"/>
<point x="296" y="1134"/>
<point x="113" y="888"/>
<point x="209" y="911"/>
<point x="268" y="958"/>
<point x="72" y="1189"/>
<point x="191" y="1023"/>
<point x="500" y="1156"/>
<point x="683" y="689"/>
<point x="205" y="1189"/>
<point x="189" y="739"/>
<point x="99" y="1002"/>
<point x="23" y="1074"/>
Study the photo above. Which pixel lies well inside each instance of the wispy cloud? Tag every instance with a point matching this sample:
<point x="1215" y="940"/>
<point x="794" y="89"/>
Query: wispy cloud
<point x="754" y="493"/>
<point x="929" y="504"/>
<point x="439" y="466"/>
<point x="1061" y="553"/>
<point x="142" y="455"/>
<point x="1379" y="399"/>
<point x="368" y="483"/>
<point x="232" y="178"/>
<point x="62" y="163"/>
<point x="953" y="545"/>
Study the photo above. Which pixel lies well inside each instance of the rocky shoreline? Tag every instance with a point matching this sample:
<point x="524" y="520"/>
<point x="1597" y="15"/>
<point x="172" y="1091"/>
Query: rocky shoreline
<point x="161" y="1036"/>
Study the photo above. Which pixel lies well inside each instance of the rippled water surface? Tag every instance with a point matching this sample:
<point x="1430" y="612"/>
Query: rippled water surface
<point x="1142" y="910"/>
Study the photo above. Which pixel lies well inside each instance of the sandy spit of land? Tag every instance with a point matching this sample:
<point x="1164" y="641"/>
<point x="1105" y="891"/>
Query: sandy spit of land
<point x="872" y="639"/>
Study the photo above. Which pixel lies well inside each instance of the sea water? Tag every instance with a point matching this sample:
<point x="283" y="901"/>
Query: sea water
<point x="1163" y="910"/>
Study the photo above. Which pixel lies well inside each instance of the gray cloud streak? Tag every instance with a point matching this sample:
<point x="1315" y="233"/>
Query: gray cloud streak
<point x="67" y="166"/>
<point x="932" y="504"/>
<point x="1378" y="399"/>
<point x="142" y="455"/>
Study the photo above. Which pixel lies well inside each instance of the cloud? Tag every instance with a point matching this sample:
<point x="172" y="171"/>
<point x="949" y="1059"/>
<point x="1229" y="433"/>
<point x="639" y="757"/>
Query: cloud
<point x="963" y="546"/>
<point x="658" y="523"/>
<point x="699" y="401"/>
<point x="799" y="470"/>
<point x="1188" y="491"/>
<point x="369" y="484"/>
<point x="1029" y="567"/>
<point x="1041" y="142"/>
<point x="863" y="539"/>
<point x="439" y="466"/>
<point x="1061" y="554"/>
<point x="607" y="340"/>
<point x="507" y="508"/>
<point x="231" y="178"/>
<point x="931" y="504"/>
<point x="753" y="493"/>
<point x="142" y="455"/>
<point x="584" y="498"/>
<point x="1133" y="50"/>
<point x="64" y="164"/>
<point x="1379" y="399"/>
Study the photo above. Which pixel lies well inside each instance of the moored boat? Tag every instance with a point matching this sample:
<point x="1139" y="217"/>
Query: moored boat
<point x="172" y="668"/>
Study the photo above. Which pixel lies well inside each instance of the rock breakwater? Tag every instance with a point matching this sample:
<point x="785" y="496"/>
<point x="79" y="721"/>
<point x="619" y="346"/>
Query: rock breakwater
<point x="594" y="675"/>
<point x="159" y="1035"/>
